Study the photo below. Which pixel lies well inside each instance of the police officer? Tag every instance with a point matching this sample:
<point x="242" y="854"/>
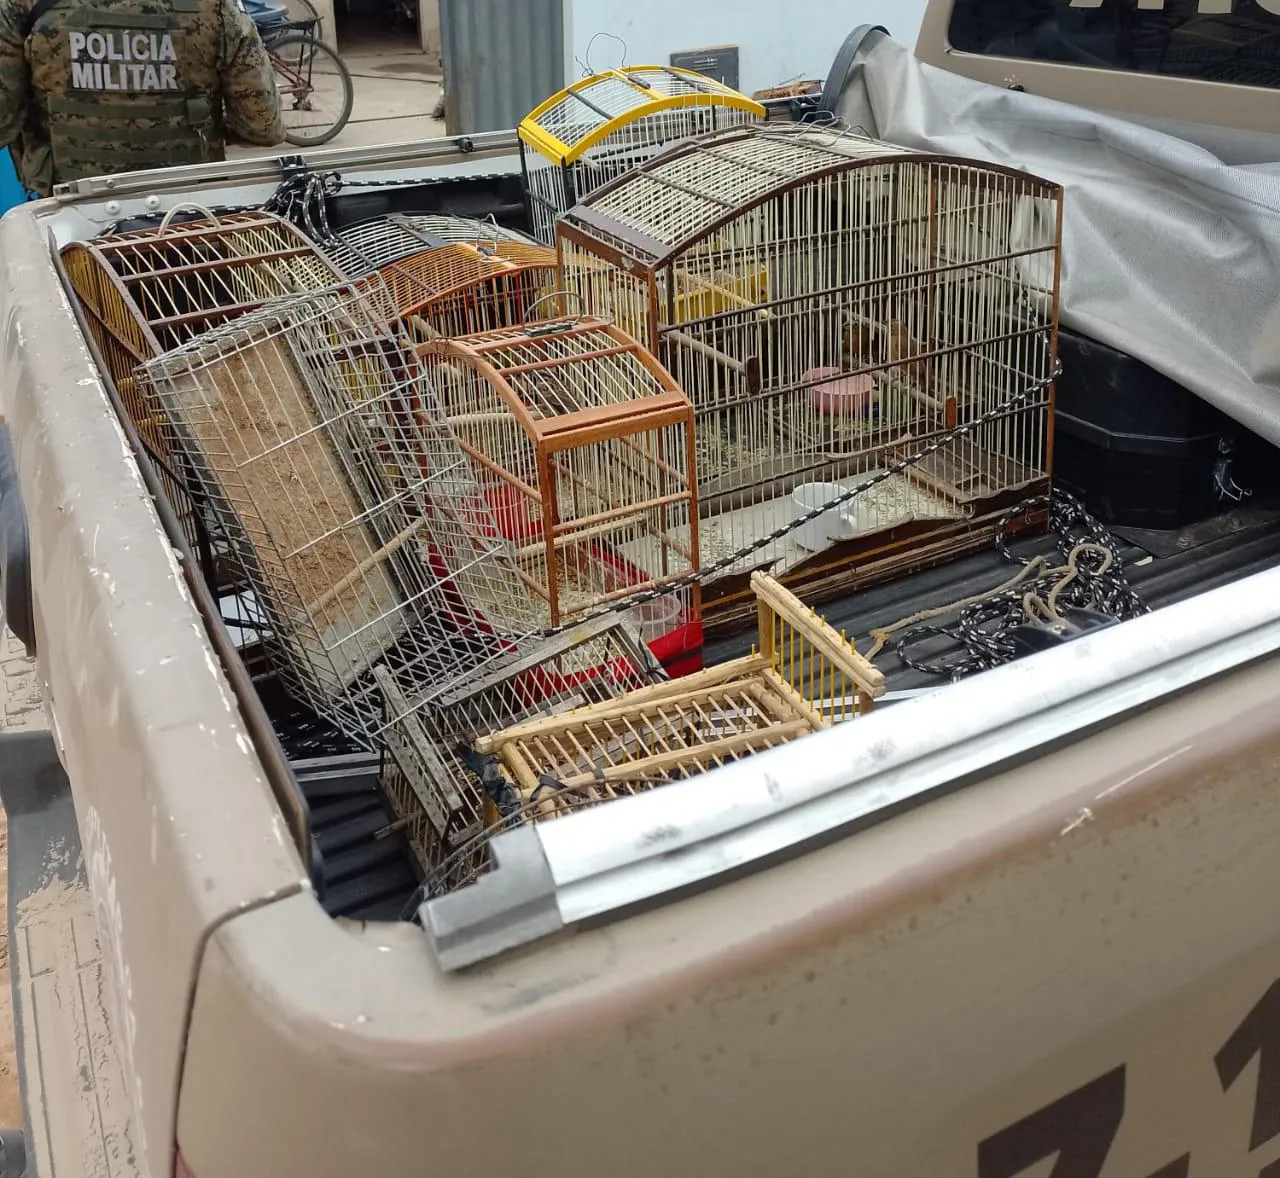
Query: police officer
<point x="89" y="87"/>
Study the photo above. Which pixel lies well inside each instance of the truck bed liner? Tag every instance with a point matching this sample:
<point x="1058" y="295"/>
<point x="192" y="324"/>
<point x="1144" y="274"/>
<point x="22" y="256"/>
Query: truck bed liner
<point x="1169" y="567"/>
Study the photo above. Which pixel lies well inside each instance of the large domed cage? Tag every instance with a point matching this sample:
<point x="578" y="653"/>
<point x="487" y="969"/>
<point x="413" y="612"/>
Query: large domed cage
<point x="439" y="277"/>
<point x="834" y="306"/>
<point x="602" y="126"/>
<point x="146" y="292"/>
<point x="583" y="448"/>
<point x="803" y="678"/>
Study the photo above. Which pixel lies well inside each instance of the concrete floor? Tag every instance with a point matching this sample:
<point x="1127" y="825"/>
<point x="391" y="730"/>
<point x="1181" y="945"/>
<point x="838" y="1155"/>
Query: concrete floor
<point x="396" y="89"/>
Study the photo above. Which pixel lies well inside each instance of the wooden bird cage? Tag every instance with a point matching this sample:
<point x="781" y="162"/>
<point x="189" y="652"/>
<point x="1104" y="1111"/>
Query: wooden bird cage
<point x="462" y="277"/>
<point x="434" y="791"/>
<point x="602" y="126"/>
<point x="832" y="305"/>
<point x="146" y="292"/>
<point x="347" y="506"/>
<point x="583" y="447"/>
<point x="804" y="678"/>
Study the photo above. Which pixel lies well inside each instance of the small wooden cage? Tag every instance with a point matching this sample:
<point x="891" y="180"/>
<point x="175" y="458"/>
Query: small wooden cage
<point x="583" y="448"/>
<point x="601" y="126"/>
<point x="804" y="678"/>
<point x="832" y="306"/>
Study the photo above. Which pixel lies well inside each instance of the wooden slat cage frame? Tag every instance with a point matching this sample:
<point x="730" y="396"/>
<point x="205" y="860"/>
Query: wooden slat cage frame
<point x="584" y="447"/>
<point x="600" y="126"/>
<point x="831" y="304"/>
<point x="804" y="677"/>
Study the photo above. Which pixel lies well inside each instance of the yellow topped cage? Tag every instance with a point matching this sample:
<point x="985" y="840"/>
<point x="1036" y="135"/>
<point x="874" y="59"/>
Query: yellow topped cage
<point x="602" y="126"/>
<point x="834" y="306"/>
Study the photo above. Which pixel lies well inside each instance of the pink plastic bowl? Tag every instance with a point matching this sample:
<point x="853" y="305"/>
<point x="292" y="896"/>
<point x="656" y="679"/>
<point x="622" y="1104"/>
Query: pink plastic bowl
<point x="840" y="394"/>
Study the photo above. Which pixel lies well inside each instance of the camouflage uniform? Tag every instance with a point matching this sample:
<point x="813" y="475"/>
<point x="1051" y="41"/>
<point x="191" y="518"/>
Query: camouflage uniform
<point x="105" y="86"/>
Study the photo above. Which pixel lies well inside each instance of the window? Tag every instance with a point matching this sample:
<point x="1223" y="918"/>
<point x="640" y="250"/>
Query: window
<point x="1236" y="41"/>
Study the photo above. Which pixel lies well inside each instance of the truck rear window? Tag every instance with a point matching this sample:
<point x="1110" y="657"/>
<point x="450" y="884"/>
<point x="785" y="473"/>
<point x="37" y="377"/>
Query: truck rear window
<point x="1181" y="38"/>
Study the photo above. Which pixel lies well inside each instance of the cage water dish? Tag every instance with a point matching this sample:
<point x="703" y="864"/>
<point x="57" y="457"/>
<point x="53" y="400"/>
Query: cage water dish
<point x="601" y="126"/>
<point x="583" y="447"/>
<point x="833" y="307"/>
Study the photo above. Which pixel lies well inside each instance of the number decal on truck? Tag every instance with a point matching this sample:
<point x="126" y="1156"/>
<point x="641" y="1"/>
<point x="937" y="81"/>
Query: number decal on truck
<point x="1079" y="1129"/>
<point x="1258" y="1034"/>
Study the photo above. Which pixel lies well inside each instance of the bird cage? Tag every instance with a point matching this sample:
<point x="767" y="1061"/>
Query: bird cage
<point x="602" y="126"/>
<point x="804" y="678"/>
<point x="375" y="243"/>
<point x="146" y="292"/>
<point x="583" y="448"/>
<point x="460" y="277"/>
<point x="434" y="782"/>
<point x="833" y="307"/>
<point x="348" y="508"/>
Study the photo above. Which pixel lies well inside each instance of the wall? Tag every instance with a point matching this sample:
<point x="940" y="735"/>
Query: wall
<point x="778" y="40"/>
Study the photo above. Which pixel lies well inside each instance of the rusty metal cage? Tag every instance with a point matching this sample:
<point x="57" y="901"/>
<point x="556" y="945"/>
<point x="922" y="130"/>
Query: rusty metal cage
<point x="601" y="126"/>
<point x="583" y="447"/>
<point x="831" y="305"/>
<point x="346" y="505"/>
<point x="145" y="292"/>
<point x="804" y="678"/>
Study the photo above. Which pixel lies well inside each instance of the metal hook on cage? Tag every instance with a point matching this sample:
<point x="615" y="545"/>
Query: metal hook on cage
<point x="481" y="239"/>
<point x="189" y="206"/>
<point x="567" y="323"/>
<point x="587" y="71"/>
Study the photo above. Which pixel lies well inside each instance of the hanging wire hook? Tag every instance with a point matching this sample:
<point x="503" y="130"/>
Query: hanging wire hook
<point x="569" y="320"/>
<point x="587" y="71"/>
<point x="187" y="206"/>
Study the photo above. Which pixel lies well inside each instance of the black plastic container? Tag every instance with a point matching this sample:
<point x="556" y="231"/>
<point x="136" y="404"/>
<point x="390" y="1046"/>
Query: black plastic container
<point x="1137" y="447"/>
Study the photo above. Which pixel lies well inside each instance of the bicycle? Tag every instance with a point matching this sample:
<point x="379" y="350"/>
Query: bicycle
<point x="315" y="86"/>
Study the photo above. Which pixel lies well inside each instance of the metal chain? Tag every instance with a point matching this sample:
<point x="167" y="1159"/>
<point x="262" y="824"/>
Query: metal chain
<point x="1087" y="580"/>
<point x="699" y="576"/>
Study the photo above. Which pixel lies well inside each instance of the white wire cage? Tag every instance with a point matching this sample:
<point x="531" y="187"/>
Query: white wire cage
<point x="832" y="306"/>
<point x="601" y="126"/>
<point x="346" y="505"/>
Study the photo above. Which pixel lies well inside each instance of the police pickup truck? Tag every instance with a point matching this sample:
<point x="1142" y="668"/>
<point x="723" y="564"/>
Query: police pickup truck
<point x="1012" y="924"/>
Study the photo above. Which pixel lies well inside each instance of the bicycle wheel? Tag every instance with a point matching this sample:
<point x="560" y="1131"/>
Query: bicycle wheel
<point x="315" y="89"/>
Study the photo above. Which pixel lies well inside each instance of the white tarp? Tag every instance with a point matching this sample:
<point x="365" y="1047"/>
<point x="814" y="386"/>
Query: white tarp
<point x="1172" y="247"/>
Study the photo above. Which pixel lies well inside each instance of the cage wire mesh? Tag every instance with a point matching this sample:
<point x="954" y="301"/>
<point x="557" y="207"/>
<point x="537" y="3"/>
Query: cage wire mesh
<point x="804" y="678"/>
<point x="582" y="445"/>
<point x="147" y="291"/>
<point x="382" y="240"/>
<point x="830" y="304"/>
<point x="602" y="126"/>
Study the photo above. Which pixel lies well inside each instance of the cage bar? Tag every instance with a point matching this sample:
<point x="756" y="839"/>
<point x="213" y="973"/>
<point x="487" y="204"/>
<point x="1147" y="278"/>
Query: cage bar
<point x="831" y="305"/>
<point x="599" y="127"/>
